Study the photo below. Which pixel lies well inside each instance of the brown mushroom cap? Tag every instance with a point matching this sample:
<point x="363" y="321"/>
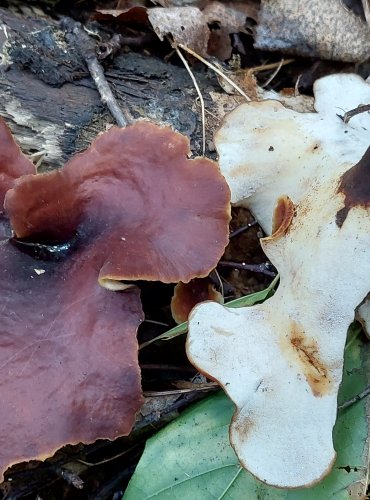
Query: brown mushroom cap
<point x="188" y="295"/>
<point x="155" y="214"/>
<point x="68" y="356"/>
<point x="68" y="348"/>
<point x="13" y="163"/>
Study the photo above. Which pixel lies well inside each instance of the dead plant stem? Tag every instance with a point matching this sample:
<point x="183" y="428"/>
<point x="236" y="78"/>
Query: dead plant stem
<point x="215" y="69"/>
<point x="353" y="112"/>
<point x="185" y="63"/>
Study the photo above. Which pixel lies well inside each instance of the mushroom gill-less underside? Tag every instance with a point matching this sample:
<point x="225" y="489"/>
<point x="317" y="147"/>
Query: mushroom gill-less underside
<point x="281" y="362"/>
<point x="132" y="206"/>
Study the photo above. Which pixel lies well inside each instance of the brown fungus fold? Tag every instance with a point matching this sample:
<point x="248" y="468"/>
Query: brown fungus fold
<point x="130" y="207"/>
<point x="188" y="295"/>
<point x="153" y="213"/>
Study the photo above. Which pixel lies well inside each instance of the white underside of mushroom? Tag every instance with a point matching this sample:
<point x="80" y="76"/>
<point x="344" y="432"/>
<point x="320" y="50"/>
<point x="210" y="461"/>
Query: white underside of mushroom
<point x="281" y="362"/>
<point x="267" y="151"/>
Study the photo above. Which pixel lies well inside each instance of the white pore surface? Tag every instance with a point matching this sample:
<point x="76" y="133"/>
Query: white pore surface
<point x="266" y="150"/>
<point x="281" y="362"/>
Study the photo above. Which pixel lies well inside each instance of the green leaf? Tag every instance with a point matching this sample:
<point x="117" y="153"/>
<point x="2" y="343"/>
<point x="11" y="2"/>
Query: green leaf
<point x="247" y="300"/>
<point x="192" y="459"/>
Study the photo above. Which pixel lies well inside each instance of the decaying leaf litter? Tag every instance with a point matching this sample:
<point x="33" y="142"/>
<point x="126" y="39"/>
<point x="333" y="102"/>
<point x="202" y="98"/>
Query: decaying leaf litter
<point x="227" y="282"/>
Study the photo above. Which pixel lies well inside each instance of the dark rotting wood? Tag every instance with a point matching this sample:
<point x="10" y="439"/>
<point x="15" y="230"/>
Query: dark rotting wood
<point x="52" y="105"/>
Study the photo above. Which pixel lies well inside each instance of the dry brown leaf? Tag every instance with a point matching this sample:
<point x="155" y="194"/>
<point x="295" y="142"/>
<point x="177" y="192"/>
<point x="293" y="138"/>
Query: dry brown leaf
<point x="229" y="18"/>
<point x="186" y="25"/>
<point x="316" y="29"/>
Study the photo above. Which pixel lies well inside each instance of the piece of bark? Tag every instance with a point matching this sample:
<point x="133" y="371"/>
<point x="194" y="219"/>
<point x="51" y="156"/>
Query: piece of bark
<point x="51" y="103"/>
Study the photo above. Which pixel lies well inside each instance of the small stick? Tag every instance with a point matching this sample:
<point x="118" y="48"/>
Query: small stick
<point x="242" y="229"/>
<point x="173" y="368"/>
<point x="211" y="386"/>
<point x="355" y="399"/>
<point x="353" y="112"/>
<point x="366" y="6"/>
<point x="256" y="268"/>
<point x="222" y="291"/>
<point x="265" y="67"/>
<point x="296" y="86"/>
<point x="185" y="63"/>
<point x="160" y="323"/>
<point x="215" y="69"/>
<point x="88" y="53"/>
<point x="269" y="80"/>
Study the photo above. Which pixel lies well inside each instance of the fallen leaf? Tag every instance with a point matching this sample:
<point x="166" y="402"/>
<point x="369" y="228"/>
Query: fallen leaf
<point x="192" y="457"/>
<point x="186" y="25"/>
<point x="326" y="30"/>
<point x="224" y="20"/>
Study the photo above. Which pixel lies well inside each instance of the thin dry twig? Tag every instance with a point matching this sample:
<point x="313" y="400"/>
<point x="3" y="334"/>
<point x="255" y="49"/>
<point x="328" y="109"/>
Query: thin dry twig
<point x="296" y="86"/>
<point x="353" y="112"/>
<point x="78" y="35"/>
<point x="269" y="80"/>
<point x="266" y="67"/>
<point x="255" y="268"/>
<point x="211" y="386"/>
<point x="215" y="69"/>
<point x="222" y="291"/>
<point x="242" y="229"/>
<point x="185" y="63"/>
<point x="366" y="6"/>
<point x="355" y="399"/>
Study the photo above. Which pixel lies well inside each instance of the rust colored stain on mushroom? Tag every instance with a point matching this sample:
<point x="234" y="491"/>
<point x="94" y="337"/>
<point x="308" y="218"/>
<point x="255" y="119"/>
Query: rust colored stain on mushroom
<point x="241" y="426"/>
<point x="355" y="185"/>
<point x="282" y="218"/>
<point x="305" y="353"/>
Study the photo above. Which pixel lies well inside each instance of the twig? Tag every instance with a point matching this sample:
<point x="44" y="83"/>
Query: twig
<point x="265" y="67"/>
<point x="355" y="399"/>
<point x="215" y="69"/>
<point x="353" y="112"/>
<point x="242" y="229"/>
<point x="106" y="460"/>
<point x="185" y="63"/>
<point x="160" y="323"/>
<point x="256" y="268"/>
<point x="87" y="51"/>
<point x="211" y="386"/>
<point x="164" y="367"/>
<point x="296" y="86"/>
<point x="269" y="80"/>
<point x="366" y="6"/>
<point x="222" y="291"/>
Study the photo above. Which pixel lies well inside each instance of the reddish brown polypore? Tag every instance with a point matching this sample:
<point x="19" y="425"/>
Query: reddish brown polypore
<point x="154" y="214"/>
<point x="68" y="348"/>
<point x="188" y="295"/>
